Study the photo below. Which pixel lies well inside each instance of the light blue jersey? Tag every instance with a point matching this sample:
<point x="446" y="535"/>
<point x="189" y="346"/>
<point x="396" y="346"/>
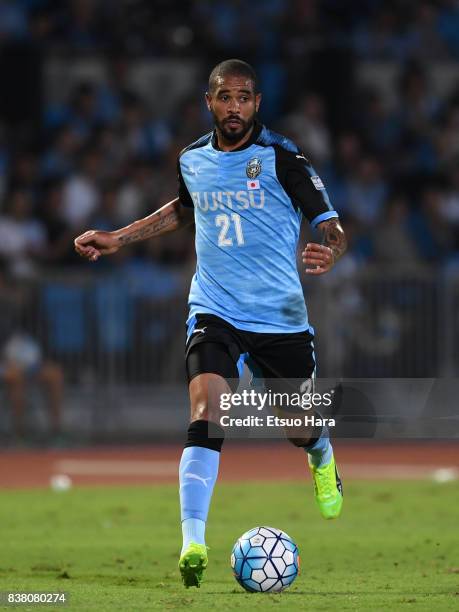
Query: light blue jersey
<point x="248" y="205"/>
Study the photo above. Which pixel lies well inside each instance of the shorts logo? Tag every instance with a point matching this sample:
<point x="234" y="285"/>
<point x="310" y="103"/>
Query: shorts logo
<point x="200" y="331"/>
<point x="253" y="168"/>
<point x="317" y="182"/>
<point x="307" y="386"/>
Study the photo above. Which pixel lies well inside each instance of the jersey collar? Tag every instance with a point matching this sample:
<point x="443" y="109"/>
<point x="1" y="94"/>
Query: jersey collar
<point x="252" y="140"/>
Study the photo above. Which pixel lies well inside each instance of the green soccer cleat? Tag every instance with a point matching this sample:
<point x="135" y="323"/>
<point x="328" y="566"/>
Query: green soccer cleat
<point x="328" y="489"/>
<point x="192" y="564"/>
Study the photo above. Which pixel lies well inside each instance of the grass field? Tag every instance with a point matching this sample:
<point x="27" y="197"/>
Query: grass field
<point x="395" y="548"/>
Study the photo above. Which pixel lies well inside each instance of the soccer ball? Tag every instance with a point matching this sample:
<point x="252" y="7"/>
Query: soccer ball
<point x="265" y="559"/>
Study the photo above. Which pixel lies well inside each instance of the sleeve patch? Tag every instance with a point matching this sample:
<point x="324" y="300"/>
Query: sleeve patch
<point x="317" y="182"/>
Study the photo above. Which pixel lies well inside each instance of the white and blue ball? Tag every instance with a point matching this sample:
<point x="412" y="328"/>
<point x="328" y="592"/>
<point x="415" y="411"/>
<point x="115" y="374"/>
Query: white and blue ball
<point x="265" y="559"/>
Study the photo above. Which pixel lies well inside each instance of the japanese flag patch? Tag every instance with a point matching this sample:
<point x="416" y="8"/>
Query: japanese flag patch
<point x="253" y="184"/>
<point x="317" y="182"/>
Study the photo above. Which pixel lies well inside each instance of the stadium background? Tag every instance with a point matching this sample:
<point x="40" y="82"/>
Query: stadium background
<point x="97" y="98"/>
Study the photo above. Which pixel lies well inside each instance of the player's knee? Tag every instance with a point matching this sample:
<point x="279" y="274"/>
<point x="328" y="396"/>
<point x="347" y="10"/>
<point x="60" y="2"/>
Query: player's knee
<point x="205" y="434"/>
<point x="199" y="409"/>
<point x="205" y="395"/>
<point x="303" y="438"/>
<point x="299" y="442"/>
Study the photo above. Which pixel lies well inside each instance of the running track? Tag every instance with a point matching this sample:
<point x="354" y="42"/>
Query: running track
<point x="159" y="464"/>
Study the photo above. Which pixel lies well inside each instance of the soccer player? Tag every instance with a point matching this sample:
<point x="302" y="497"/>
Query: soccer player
<point x="246" y="189"/>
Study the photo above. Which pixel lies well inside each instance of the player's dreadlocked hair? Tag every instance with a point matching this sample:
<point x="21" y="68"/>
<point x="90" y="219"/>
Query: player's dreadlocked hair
<point x="232" y="67"/>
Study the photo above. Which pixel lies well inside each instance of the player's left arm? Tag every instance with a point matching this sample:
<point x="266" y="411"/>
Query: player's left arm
<point x="320" y="258"/>
<point x="308" y="194"/>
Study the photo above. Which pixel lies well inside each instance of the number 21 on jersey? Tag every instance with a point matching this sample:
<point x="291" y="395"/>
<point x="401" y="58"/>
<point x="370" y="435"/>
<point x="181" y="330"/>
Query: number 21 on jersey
<point x="224" y="222"/>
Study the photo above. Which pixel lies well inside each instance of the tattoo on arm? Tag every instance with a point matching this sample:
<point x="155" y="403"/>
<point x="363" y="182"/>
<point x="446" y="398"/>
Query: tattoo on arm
<point x="333" y="237"/>
<point x="166" y="219"/>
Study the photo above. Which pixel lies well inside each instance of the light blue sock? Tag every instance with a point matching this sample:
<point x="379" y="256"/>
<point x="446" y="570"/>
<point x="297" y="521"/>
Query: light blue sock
<point x="193" y="530"/>
<point x="197" y="473"/>
<point x="321" y="452"/>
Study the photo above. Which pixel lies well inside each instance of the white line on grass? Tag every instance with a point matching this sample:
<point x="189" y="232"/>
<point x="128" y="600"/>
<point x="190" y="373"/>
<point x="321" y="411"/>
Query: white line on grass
<point x="115" y="467"/>
<point x="158" y="469"/>
<point x="397" y="472"/>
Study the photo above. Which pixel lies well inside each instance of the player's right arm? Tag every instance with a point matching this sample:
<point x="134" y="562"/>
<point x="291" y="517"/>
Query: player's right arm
<point x="171" y="217"/>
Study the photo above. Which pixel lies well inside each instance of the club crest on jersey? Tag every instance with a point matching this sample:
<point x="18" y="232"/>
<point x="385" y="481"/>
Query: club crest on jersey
<point x="253" y="168"/>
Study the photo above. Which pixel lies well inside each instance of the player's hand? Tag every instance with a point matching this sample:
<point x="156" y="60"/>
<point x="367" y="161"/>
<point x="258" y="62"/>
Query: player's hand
<point x="318" y="257"/>
<point x="94" y="243"/>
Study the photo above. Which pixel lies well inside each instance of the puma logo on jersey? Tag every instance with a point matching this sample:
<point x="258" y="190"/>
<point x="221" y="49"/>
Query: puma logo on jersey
<point x="194" y="169"/>
<point x="197" y="477"/>
<point x="202" y="331"/>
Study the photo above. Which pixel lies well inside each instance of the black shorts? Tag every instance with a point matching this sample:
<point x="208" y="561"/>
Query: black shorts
<point x="215" y="346"/>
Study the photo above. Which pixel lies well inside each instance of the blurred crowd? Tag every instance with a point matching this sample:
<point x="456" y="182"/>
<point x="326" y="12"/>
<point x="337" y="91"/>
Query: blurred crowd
<point x="102" y="156"/>
<point x="375" y="29"/>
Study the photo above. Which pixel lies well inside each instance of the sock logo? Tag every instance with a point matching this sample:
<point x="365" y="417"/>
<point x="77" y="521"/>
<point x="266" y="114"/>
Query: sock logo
<point x="197" y="477"/>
